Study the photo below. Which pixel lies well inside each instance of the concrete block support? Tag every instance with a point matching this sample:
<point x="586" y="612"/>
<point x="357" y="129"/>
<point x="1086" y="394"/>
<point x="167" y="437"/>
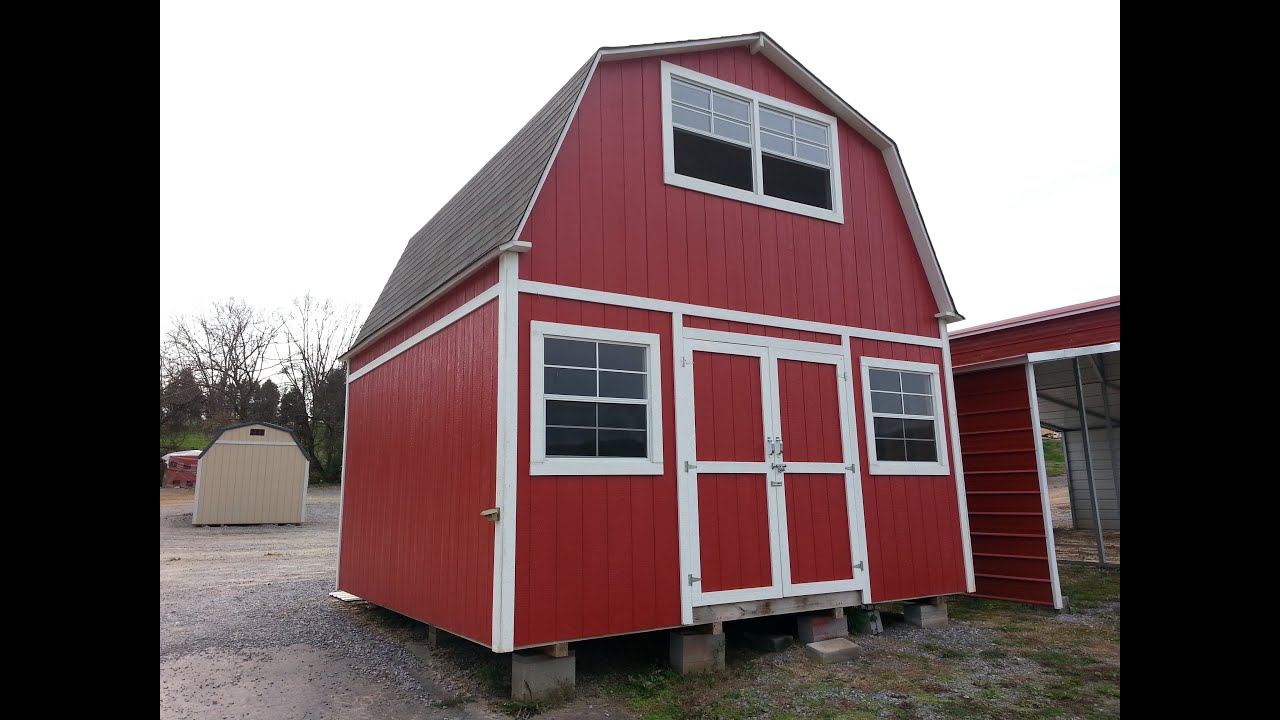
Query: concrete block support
<point x="814" y="628"/>
<point x="832" y="651"/>
<point x="538" y="676"/>
<point x="931" y="613"/>
<point x="696" y="652"/>
<point x="767" y="642"/>
<point x="866" y="621"/>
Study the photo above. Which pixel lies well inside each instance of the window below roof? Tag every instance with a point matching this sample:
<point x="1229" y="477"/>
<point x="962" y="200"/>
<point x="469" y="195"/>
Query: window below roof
<point x="903" y="405"/>
<point x="726" y="140"/>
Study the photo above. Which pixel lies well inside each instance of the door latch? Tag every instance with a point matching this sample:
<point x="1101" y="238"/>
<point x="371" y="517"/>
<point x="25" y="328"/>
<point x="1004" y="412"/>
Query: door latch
<point x="694" y="578"/>
<point x="780" y="467"/>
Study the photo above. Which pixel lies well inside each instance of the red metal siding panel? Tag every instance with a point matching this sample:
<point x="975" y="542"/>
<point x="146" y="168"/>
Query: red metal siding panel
<point x="1096" y="327"/>
<point x="1006" y="520"/>
<point x="914" y="545"/>
<point x="605" y="205"/>
<point x="818" y="528"/>
<point x="733" y="525"/>
<point x="420" y="468"/>
<point x="595" y="555"/>
<point x="483" y="279"/>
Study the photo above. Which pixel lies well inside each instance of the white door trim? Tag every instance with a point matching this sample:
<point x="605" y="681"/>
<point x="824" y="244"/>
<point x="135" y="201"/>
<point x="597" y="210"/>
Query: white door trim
<point x="1050" y="549"/>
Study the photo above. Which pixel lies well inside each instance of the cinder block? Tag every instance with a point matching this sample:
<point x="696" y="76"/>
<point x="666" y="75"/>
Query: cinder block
<point x="538" y="676"/>
<point x="813" y="628"/>
<point x="767" y="643"/>
<point x="696" y="652"/>
<point x="832" y="651"/>
<point x="926" y="615"/>
<point x="866" y="622"/>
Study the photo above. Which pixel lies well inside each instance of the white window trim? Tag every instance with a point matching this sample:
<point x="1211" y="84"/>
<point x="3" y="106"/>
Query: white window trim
<point x="941" y="467"/>
<point x="539" y="463"/>
<point x="755" y="99"/>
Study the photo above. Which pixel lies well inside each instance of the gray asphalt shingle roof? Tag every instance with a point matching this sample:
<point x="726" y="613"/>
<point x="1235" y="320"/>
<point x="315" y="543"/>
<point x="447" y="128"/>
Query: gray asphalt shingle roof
<point x="481" y="217"/>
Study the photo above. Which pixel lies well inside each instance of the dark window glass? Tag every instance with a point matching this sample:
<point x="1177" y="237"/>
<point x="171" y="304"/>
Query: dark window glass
<point x="257" y="431"/>
<point x="622" y="416"/>
<point x="891" y="450"/>
<point x="622" y="357"/>
<point x="886" y="402"/>
<point x="921" y="451"/>
<point x="561" y="381"/>
<point x="797" y="182"/>
<point x="699" y="156"/>
<point x="623" y="443"/>
<point x="919" y="429"/>
<point x="576" y="442"/>
<point x="569" y="352"/>
<point x="917" y="404"/>
<point x="560" y="412"/>
<point x="917" y="383"/>
<point x="884" y="380"/>
<point x="889" y="428"/>
<point x="621" y="385"/>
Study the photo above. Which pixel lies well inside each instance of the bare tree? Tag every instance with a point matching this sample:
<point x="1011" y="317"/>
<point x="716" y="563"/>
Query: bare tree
<point x="316" y="333"/>
<point x="229" y="351"/>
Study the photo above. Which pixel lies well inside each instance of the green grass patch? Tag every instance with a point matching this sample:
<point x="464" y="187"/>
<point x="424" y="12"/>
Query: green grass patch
<point x="1055" y="459"/>
<point x="1089" y="586"/>
<point x="187" y="441"/>
<point x="1054" y="658"/>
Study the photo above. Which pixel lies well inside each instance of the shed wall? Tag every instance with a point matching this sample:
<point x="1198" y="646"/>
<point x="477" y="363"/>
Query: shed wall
<point x="421" y="465"/>
<point x="606" y="219"/>
<point x="1096" y="327"/>
<point x="248" y="484"/>
<point x="1103" y="478"/>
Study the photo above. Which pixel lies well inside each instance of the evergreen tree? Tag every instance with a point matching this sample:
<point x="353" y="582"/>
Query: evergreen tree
<point x="265" y="405"/>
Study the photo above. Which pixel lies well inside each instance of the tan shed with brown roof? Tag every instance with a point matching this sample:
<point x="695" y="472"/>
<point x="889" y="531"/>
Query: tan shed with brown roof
<point x="252" y="473"/>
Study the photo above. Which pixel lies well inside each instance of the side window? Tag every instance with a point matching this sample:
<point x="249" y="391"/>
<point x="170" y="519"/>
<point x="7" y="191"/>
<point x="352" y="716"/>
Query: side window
<point x="902" y="402"/>
<point x="596" y="406"/>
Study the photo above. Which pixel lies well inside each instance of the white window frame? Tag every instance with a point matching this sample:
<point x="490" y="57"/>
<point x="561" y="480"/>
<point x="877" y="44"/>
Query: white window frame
<point x="754" y="100"/>
<point x="539" y="463"/>
<point x="939" y="467"/>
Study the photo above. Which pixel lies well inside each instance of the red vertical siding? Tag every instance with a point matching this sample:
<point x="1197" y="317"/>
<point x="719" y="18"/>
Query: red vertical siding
<point x="420" y="468"/>
<point x="810" y="412"/>
<point x="1096" y="327"/>
<point x="914" y="545"/>
<point x="818" y="528"/>
<point x="728" y="417"/>
<point x="1006" y="518"/>
<point x="595" y="555"/>
<point x="733" y="527"/>
<point x="605" y="205"/>
<point x="483" y="279"/>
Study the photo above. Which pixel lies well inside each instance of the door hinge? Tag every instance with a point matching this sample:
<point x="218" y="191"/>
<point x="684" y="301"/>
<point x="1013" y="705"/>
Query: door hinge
<point x="851" y="468"/>
<point x="844" y="375"/>
<point x="685" y="362"/>
<point x="689" y="466"/>
<point x="694" y="578"/>
<point x="859" y="566"/>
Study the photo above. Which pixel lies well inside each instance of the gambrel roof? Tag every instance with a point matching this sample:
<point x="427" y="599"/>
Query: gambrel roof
<point x="488" y="214"/>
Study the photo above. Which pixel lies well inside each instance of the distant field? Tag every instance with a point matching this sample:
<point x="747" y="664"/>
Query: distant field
<point x="1055" y="461"/>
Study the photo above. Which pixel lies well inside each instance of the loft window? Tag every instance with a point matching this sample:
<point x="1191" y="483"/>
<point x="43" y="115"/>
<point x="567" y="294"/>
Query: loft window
<point x="726" y="140"/>
<point x="903" y="406"/>
<point x="595" y="404"/>
<point x="257" y="431"/>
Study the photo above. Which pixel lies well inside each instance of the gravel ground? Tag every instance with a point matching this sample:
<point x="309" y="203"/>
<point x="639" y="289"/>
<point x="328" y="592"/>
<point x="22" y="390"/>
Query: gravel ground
<point x="247" y="630"/>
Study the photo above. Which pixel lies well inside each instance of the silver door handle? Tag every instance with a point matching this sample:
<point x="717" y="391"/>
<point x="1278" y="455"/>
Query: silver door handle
<point x="779" y="446"/>
<point x="769" y="441"/>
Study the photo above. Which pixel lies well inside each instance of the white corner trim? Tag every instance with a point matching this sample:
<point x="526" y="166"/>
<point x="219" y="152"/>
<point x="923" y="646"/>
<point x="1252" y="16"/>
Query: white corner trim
<point x="1072" y="352"/>
<point x="342" y="489"/>
<point x="539" y="463"/>
<point x="879" y="467"/>
<point x="462" y="311"/>
<point x="705" y="311"/>
<point x="504" y="548"/>
<point x="1050" y="548"/>
<point x="754" y="99"/>
<point x="962" y="497"/>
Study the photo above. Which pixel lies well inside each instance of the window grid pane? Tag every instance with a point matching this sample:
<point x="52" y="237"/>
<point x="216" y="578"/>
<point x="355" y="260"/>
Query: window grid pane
<point x="904" y="423"/>
<point x="589" y="372"/>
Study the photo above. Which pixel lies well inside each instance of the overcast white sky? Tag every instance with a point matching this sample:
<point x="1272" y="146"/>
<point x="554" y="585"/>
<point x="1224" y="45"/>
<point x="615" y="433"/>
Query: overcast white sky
<point x="302" y="143"/>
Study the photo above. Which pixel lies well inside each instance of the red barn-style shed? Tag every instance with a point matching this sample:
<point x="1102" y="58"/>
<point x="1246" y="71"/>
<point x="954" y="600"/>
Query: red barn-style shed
<point x="677" y="354"/>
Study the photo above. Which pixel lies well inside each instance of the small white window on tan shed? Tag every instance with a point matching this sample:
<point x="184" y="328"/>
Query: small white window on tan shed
<point x="252" y="473"/>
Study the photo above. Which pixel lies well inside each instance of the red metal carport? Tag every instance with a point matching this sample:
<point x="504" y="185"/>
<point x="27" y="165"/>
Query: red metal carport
<point x="1058" y="369"/>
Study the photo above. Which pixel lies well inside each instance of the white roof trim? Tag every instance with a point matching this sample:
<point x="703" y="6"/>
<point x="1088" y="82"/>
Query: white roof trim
<point x="1072" y="352"/>
<point x="993" y="327"/>
<point x="843" y="110"/>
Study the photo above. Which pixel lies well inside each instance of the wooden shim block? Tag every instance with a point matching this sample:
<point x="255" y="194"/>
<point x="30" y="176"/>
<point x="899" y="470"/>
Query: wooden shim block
<point x="345" y="596"/>
<point x="776" y="606"/>
<point x="557" y="650"/>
